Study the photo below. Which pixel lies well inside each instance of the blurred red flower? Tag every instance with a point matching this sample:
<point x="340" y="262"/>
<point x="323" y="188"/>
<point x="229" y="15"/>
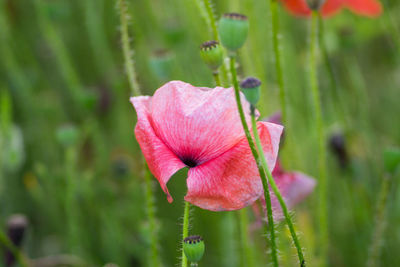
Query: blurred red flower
<point x="371" y="8"/>
<point x="196" y="127"/>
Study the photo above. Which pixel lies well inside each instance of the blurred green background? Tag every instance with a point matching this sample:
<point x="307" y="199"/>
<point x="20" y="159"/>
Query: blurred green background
<point x="70" y="162"/>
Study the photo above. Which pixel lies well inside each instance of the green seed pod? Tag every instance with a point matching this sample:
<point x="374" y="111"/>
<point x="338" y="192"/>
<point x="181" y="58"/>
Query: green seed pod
<point x="251" y="89"/>
<point x="193" y="246"/>
<point x="233" y="29"/>
<point x="315" y="4"/>
<point x="67" y="135"/>
<point x="212" y="54"/>
<point x="391" y="159"/>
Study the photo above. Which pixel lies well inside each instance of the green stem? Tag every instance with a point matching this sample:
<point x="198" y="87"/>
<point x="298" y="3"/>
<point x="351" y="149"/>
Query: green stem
<point x="380" y="223"/>
<point x="276" y="191"/>
<point x="211" y="17"/>
<point x="322" y="193"/>
<point x="6" y="242"/>
<point x="126" y="48"/>
<point x="153" y="255"/>
<point x="247" y="252"/>
<point x="257" y="159"/>
<point x="216" y="78"/>
<point x="278" y="58"/>
<point x="135" y="90"/>
<point x="185" y="231"/>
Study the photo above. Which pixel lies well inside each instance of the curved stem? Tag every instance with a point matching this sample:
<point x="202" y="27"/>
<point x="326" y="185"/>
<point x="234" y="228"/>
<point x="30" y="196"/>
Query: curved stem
<point x="276" y="191"/>
<point x="322" y="194"/>
<point x="278" y="58"/>
<point x="6" y="242"/>
<point x="126" y="48"/>
<point x="185" y="231"/>
<point x="257" y="159"/>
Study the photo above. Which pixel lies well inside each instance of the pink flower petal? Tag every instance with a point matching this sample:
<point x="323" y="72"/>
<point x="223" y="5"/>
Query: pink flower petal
<point x="197" y="124"/>
<point x="232" y="181"/>
<point x="162" y="162"/>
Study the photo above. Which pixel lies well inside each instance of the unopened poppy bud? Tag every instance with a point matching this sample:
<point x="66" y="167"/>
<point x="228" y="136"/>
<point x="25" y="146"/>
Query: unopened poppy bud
<point x="67" y="135"/>
<point x="212" y="54"/>
<point x="193" y="247"/>
<point x="233" y="29"/>
<point x="251" y="89"/>
<point x="315" y="4"/>
<point x="391" y="159"/>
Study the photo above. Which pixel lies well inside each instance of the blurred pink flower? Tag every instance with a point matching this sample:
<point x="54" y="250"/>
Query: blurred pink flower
<point x="197" y="127"/>
<point x="294" y="187"/>
<point x="370" y="8"/>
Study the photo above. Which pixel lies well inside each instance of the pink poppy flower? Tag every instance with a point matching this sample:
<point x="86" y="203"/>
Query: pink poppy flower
<point x="370" y="8"/>
<point x="197" y="127"/>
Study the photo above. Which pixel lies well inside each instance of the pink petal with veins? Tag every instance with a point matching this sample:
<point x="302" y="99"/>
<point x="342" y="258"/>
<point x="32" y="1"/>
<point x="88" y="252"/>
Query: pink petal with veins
<point x="232" y="181"/>
<point x="162" y="162"/>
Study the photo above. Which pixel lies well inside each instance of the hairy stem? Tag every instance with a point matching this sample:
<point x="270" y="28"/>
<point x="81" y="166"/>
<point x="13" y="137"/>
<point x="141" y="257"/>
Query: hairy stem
<point x="322" y="192"/>
<point x="126" y="48"/>
<point x="185" y="231"/>
<point x="276" y="191"/>
<point x="257" y="159"/>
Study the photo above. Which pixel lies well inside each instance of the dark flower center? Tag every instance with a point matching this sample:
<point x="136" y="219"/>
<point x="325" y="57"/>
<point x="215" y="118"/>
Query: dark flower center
<point x="190" y="162"/>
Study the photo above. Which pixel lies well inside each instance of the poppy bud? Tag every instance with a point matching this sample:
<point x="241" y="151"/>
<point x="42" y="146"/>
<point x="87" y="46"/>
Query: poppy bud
<point x="338" y="147"/>
<point x="16" y="226"/>
<point x="391" y="159"/>
<point x="67" y="135"/>
<point x="193" y="247"/>
<point x="251" y="89"/>
<point x="233" y="29"/>
<point x="315" y="4"/>
<point x="212" y="54"/>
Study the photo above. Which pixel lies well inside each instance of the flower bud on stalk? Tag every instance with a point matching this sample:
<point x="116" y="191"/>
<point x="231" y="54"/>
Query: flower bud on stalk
<point x="315" y="5"/>
<point x="233" y="29"/>
<point x="193" y="247"/>
<point x="212" y="54"/>
<point x="251" y="90"/>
